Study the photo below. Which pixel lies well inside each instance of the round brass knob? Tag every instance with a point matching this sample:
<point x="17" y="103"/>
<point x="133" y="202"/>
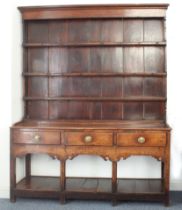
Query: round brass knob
<point x="37" y="138"/>
<point x="88" y="139"/>
<point x="141" y="140"/>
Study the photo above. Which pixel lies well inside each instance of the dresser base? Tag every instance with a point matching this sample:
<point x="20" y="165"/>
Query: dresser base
<point x="112" y="141"/>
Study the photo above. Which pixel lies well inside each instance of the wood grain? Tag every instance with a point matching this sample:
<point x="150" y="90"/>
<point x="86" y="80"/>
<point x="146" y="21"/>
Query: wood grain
<point x="94" y="83"/>
<point x="98" y="138"/>
<point x="156" y="139"/>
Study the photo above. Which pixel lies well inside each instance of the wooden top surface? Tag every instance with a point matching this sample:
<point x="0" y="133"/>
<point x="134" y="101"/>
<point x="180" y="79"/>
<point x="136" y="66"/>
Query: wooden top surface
<point x="93" y="11"/>
<point x="93" y="124"/>
<point x="157" y="5"/>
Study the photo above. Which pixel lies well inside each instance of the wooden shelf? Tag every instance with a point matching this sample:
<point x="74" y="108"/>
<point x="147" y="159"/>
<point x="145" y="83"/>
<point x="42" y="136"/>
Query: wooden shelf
<point x="88" y="187"/>
<point x="95" y="44"/>
<point x="105" y="185"/>
<point x="125" y="99"/>
<point x="93" y="124"/>
<point x="94" y="74"/>
<point x="39" y="187"/>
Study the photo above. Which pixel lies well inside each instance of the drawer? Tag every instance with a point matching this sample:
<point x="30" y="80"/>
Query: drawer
<point x="36" y="137"/>
<point x="89" y="138"/>
<point x="142" y="138"/>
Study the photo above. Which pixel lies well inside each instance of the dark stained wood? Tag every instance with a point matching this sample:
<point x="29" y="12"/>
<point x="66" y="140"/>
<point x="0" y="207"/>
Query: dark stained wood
<point x="112" y="32"/>
<point x="133" y="59"/>
<point x="140" y="189"/>
<point x="94" y="84"/>
<point x="34" y="34"/>
<point x="56" y="32"/>
<point x="114" y="181"/>
<point x="50" y="184"/>
<point x="92" y="125"/>
<point x="12" y="178"/>
<point x="41" y="108"/>
<point x="111" y="110"/>
<point x="104" y="185"/>
<point x="37" y="87"/>
<point x="94" y="11"/>
<point x="28" y="166"/>
<point x="80" y="32"/>
<point x="87" y="50"/>
<point x="104" y="74"/>
<point x="133" y="31"/>
<point x="153" y="30"/>
<point x="83" y="98"/>
<point x="140" y="186"/>
<point x="97" y="185"/>
<point x="133" y="111"/>
<point x="154" y="110"/>
<point x="78" y="109"/>
<point x="37" y="60"/>
<point x="153" y="85"/>
<point x="93" y="44"/>
<point x="133" y="87"/>
<point x="154" y="59"/>
<point x="58" y="109"/>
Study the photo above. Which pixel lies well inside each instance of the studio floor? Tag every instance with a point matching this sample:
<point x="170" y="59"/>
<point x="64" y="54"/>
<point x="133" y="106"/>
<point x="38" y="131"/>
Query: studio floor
<point x="41" y="204"/>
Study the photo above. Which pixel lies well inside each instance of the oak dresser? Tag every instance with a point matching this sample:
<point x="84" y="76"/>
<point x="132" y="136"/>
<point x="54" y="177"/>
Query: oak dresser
<point x="94" y="84"/>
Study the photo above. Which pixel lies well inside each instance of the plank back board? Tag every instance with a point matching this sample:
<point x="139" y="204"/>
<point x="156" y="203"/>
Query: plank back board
<point x="95" y="67"/>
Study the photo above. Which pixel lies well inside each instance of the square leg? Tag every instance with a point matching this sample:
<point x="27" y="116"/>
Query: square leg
<point x="63" y="181"/>
<point x="114" y="182"/>
<point x="12" y="178"/>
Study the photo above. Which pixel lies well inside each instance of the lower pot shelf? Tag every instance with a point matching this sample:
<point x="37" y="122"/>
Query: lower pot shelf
<point x="91" y="188"/>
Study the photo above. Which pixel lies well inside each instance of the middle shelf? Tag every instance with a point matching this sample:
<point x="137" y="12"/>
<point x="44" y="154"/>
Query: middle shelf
<point x="77" y="98"/>
<point x="95" y="44"/>
<point x="94" y="74"/>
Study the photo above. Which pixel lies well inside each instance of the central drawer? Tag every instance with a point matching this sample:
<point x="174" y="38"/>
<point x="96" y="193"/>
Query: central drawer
<point x="141" y="138"/>
<point x="88" y="138"/>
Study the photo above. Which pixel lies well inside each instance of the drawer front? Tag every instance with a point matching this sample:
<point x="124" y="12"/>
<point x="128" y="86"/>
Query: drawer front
<point x="143" y="138"/>
<point x="89" y="138"/>
<point x="36" y="137"/>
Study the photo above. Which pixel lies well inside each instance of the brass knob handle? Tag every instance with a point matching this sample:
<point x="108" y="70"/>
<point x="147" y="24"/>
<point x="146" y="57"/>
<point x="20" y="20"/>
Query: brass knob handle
<point x="141" y="140"/>
<point x="37" y="138"/>
<point x="88" y="139"/>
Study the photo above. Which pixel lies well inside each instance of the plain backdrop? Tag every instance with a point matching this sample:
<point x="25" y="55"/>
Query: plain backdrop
<point x="11" y="101"/>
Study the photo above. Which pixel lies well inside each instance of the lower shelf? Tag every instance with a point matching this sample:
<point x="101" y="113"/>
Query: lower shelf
<point x="91" y="188"/>
<point x="38" y="186"/>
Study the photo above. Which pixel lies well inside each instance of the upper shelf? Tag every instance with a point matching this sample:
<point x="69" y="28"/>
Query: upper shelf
<point x="94" y="11"/>
<point x="113" y="99"/>
<point x="94" y="74"/>
<point x="94" y="44"/>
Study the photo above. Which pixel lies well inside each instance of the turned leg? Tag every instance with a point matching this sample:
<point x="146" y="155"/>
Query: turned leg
<point x="63" y="181"/>
<point x="12" y="178"/>
<point x="28" y="166"/>
<point x="114" y="182"/>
